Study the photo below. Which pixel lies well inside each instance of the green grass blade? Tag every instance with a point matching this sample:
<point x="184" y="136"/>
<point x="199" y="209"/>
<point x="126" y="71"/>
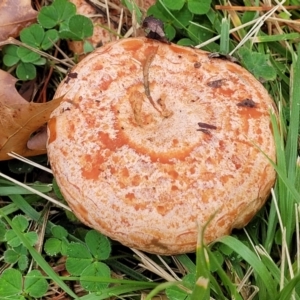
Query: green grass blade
<point x="287" y="292"/>
<point x="202" y="288"/>
<point x="270" y="265"/>
<point x="187" y="263"/>
<point x="115" y="291"/>
<point x="160" y="288"/>
<point x="280" y="167"/>
<point x="282" y="175"/>
<point x="292" y="138"/>
<point x="126" y="270"/>
<point x="226" y="282"/>
<point x="276" y="37"/>
<point x="224" y="39"/>
<point x="287" y="203"/>
<point x="216" y="290"/>
<point x="18" y="190"/>
<point x="24" y="206"/>
<point x="253" y="261"/>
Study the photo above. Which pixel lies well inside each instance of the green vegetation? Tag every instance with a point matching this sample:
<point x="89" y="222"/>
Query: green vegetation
<point x="56" y="21"/>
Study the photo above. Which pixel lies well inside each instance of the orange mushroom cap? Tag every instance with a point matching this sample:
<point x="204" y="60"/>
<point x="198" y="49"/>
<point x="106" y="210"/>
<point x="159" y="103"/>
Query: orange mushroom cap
<point x="152" y="140"/>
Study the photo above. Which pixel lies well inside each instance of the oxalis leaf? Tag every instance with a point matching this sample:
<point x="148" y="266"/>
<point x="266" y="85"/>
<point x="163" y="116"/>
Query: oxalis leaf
<point x="51" y="36"/>
<point x="52" y="246"/>
<point x="23" y="262"/>
<point x="10" y="57"/>
<point x="97" y="269"/>
<point x="79" y="28"/>
<point x="199" y="7"/>
<point x="57" y="13"/>
<point x="48" y="16"/>
<point x="26" y="71"/>
<point x="258" y="64"/>
<point x="17" y="255"/>
<point x="174" y="5"/>
<point x="58" y="243"/>
<point x="35" y="285"/>
<point x="10" y="283"/>
<point x="65" y="9"/>
<point x="98" y="244"/>
<point x="21" y="222"/>
<point x="33" y="35"/>
<point x="182" y="18"/>
<point x="78" y="258"/>
<point x="27" y="56"/>
<point x="11" y="256"/>
<point x="59" y="232"/>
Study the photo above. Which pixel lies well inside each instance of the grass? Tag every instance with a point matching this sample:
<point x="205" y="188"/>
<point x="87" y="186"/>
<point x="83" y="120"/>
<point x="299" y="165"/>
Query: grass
<point x="262" y="261"/>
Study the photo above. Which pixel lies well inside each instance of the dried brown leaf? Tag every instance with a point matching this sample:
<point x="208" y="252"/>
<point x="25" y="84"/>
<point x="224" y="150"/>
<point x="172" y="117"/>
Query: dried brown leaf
<point x="19" y="119"/>
<point x="15" y="15"/>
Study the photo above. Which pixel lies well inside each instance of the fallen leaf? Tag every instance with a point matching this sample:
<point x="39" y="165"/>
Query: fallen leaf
<point x="19" y="119"/>
<point x="15" y="15"/>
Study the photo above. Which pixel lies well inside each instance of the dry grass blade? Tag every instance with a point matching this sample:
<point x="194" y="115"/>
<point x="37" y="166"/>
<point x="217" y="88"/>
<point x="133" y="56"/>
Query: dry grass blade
<point x="152" y="266"/>
<point x="36" y="192"/>
<point x="168" y="268"/>
<point x="30" y="162"/>
<point x="255" y="29"/>
<point x="41" y="229"/>
<point x="253" y="8"/>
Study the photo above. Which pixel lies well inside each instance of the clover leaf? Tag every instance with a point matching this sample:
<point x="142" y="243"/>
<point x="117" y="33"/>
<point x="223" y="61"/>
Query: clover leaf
<point x="97" y="269"/>
<point x="84" y="260"/>
<point x="258" y="64"/>
<point x="48" y="16"/>
<point x="10" y="283"/>
<point x="27" y="56"/>
<point x="35" y="36"/>
<point x="199" y="7"/>
<point x="56" y="14"/>
<point x="98" y="244"/>
<point x="26" y="71"/>
<point x="78" y="258"/>
<point x="21" y="223"/>
<point x="58" y="243"/>
<point x="79" y="27"/>
<point x="174" y="5"/>
<point x="17" y="255"/>
<point x="13" y="286"/>
<point x="10" y="57"/>
<point x="51" y="36"/>
<point x="35" y="285"/>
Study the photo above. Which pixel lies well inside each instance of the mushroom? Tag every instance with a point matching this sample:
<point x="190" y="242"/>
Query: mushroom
<point x="153" y="141"/>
